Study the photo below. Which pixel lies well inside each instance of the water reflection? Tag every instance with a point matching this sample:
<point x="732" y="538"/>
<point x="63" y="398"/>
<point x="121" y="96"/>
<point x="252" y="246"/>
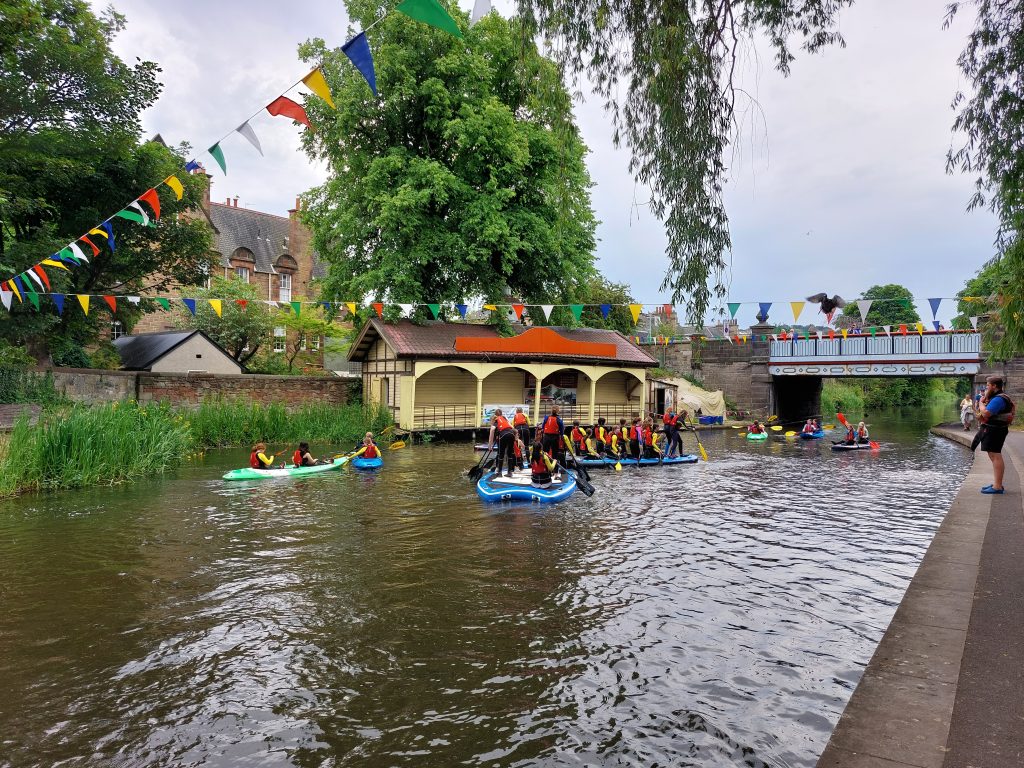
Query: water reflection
<point x="714" y="615"/>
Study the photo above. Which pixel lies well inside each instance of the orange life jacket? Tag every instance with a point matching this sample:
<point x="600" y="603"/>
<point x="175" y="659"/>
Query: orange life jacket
<point x="520" y="420"/>
<point x="297" y="458"/>
<point x="551" y="425"/>
<point x="648" y="437"/>
<point x="501" y="424"/>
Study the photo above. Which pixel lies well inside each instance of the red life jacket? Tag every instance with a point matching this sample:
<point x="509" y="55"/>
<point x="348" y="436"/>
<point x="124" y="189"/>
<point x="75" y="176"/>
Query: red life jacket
<point x="648" y="437"/>
<point x="577" y="435"/>
<point x="551" y="425"/>
<point x="634" y="433"/>
<point x="501" y="424"/>
<point x="370" y="452"/>
<point x="538" y="467"/>
<point x="668" y="420"/>
<point x="520" y="420"/>
<point x="254" y="460"/>
<point x="297" y="458"/>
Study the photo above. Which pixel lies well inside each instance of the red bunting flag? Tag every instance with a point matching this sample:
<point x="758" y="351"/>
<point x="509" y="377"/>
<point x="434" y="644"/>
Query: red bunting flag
<point x="903" y="330"/>
<point x="379" y="308"/>
<point x="242" y="303"/>
<point x="154" y="202"/>
<point x="518" y="309"/>
<point x="111" y="302"/>
<point x="95" y="250"/>
<point x="42" y="275"/>
<point x="831" y="333"/>
<point x="284" y="106"/>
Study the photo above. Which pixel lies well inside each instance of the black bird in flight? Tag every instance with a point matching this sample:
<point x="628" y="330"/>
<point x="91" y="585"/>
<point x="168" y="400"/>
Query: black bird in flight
<point x="828" y="306"/>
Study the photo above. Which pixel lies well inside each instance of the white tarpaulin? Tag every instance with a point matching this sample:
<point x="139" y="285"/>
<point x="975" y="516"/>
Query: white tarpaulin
<point x="693" y="397"/>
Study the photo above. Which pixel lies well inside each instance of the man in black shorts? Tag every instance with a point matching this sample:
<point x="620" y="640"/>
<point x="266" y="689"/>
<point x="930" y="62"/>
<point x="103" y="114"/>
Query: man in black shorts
<point x="996" y="415"/>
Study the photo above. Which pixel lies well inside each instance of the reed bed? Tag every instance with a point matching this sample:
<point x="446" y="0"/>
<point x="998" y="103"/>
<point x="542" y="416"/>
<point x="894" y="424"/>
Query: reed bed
<point x="79" y="446"/>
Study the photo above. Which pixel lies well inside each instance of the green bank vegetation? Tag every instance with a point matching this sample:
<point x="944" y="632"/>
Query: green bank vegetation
<point x="76" y="446"/>
<point x="859" y="395"/>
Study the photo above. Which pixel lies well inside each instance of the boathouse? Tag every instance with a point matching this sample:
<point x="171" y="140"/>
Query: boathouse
<point x="453" y="375"/>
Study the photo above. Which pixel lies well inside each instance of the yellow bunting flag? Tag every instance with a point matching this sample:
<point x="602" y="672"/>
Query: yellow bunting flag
<point x="634" y="310"/>
<point x="317" y="84"/>
<point x="52" y="263"/>
<point x="844" y="332"/>
<point x="490" y="307"/>
<point x="351" y="307"/>
<point x="798" y="307"/>
<point x="173" y="183"/>
<point x="920" y="329"/>
<point x="84" y="301"/>
<point x="215" y="303"/>
<point x="99" y="232"/>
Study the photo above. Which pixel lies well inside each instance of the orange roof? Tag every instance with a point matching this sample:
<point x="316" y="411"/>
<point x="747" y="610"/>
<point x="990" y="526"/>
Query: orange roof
<point x="542" y="341"/>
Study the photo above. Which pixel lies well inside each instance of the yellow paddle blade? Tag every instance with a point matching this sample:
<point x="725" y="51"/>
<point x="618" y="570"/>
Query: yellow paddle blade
<point x="703" y="453"/>
<point x="618" y="466"/>
<point x="775" y="429"/>
<point x="791" y="433"/>
<point x="772" y="418"/>
<point x="396" y="445"/>
<point x="734" y="426"/>
<point x="829" y="426"/>
<point x="741" y="434"/>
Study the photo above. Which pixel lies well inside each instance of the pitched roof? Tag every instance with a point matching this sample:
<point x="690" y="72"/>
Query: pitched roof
<point x="140" y="352"/>
<point x="437" y="339"/>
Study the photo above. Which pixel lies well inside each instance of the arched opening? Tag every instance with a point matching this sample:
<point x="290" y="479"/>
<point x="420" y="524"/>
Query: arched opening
<point x="508" y="388"/>
<point x="617" y="396"/>
<point x="446" y="398"/>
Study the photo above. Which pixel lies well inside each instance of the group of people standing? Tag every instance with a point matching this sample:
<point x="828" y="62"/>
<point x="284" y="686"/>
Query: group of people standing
<point x="637" y="438"/>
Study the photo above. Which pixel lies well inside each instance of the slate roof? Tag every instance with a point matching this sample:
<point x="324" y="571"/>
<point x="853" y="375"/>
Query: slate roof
<point x="262" y="233"/>
<point x="437" y="339"/>
<point x="140" y="352"/>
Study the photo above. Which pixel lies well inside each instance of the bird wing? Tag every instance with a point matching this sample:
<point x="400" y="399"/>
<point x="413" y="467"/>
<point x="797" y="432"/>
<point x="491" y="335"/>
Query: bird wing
<point x="839" y="301"/>
<point x="818" y="298"/>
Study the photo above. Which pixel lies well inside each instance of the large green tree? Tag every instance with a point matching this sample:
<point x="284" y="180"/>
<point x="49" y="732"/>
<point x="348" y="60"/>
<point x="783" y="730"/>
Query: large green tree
<point x="242" y="329"/>
<point x="465" y="179"/>
<point x="71" y="157"/>
<point x="892" y="304"/>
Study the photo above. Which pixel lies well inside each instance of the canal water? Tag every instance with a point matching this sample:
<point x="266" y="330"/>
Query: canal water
<point x="717" y="614"/>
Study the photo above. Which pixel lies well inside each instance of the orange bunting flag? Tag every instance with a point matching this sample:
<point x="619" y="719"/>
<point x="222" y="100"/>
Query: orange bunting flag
<point x="518" y="309"/>
<point x="95" y="250"/>
<point x="379" y="308"/>
<point x="84" y="301"/>
<point x="111" y="302"/>
<point x="317" y="84"/>
<point x="150" y="197"/>
<point x="285" y="107"/>
<point x="173" y="183"/>
<point x="903" y="330"/>
<point x="242" y="303"/>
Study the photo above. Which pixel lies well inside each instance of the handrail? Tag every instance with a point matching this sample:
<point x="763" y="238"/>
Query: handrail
<point x="893" y="345"/>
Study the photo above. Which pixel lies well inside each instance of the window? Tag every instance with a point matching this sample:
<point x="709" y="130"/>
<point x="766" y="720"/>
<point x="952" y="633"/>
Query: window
<point x="116" y="330"/>
<point x="302" y="342"/>
<point x="279" y="339"/>
<point x="314" y="343"/>
<point x="285" y="289"/>
<point x="242" y="273"/>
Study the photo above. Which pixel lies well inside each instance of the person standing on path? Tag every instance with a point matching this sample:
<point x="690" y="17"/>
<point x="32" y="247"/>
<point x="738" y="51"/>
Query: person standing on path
<point x="996" y="415"/>
<point x="967" y="412"/>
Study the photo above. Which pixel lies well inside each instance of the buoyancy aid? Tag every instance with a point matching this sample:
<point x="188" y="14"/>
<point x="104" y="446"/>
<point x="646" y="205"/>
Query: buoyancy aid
<point x="256" y="461"/>
<point x="579" y="438"/>
<point x="1005" y="418"/>
<point x="297" y="458"/>
<point x="601" y="433"/>
<point x="520" y="420"/>
<point x="648" y="437"/>
<point x="551" y="425"/>
<point x="501" y="424"/>
<point x="371" y="452"/>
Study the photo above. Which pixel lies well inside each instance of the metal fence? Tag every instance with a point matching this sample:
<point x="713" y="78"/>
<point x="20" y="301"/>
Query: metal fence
<point x="445" y="417"/>
<point x="896" y="345"/>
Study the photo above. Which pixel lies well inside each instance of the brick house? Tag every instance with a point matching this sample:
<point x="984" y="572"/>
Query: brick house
<point x="270" y="251"/>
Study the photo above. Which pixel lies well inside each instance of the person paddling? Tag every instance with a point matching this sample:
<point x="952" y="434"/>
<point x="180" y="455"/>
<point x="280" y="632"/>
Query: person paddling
<point x="259" y="459"/>
<point x="370" y="450"/>
<point x="756" y="428"/>
<point x="302" y="457"/>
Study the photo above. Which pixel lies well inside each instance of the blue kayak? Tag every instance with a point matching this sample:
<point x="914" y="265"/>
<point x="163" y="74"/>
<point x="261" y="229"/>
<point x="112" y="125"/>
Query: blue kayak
<point x="608" y="461"/>
<point x="812" y="435"/>
<point x="360" y="463"/>
<point x="520" y="487"/>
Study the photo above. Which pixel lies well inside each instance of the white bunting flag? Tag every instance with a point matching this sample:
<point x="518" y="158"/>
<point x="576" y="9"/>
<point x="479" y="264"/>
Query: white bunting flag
<point x="887" y="329"/>
<point x="5" y="297"/>
<point x="246" y="130"/>
<point x="78" y="252"/>
<point x="819" y="335"/>
<point x="271" y="304"/>
<point x="406" y="309"/>
<point x="480" y="9"/>
<point x="546" y="309"/>
<point x="974" y="320"/>
<point x="728" y="338"/>
<point x="141" y="211"/>
<point x="133" y="299"/>
<point x="775" y="337"/>
<point x="35" y="278"/>
<point x="864" y="307"/>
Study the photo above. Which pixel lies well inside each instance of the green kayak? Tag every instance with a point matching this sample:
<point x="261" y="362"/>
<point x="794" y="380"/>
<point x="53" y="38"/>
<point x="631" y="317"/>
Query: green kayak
<point x="248" y="473"/>
<point x="757" y="436"/>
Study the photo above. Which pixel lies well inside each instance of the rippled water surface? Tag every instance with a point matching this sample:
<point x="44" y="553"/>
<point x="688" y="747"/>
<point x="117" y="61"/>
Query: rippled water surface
<point x="710" y="615"/>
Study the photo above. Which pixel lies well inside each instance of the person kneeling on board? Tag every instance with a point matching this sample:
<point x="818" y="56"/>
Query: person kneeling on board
<point x="542" y="466"/>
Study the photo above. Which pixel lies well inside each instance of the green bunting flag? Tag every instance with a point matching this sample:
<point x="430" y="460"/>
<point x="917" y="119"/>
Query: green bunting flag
<point x="131" y="216"/>
<point x="430" y="12"/>
<point x="435" y="310"/>
<point x="734" y="307"/>
<point x="166" y="304"/>
<point x="297" y="307"/>
<point x="218" y="154"/>
<point x="577" y="311"/>
<point x="34" y="298"/>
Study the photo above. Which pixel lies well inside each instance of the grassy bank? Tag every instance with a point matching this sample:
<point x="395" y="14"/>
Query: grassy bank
<point x="80" y="446"/>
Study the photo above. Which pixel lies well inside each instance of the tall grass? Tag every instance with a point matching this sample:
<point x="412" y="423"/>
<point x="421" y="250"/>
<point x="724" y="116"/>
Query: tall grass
<point x="78" y="446"/>
<point x="841" y="396"/>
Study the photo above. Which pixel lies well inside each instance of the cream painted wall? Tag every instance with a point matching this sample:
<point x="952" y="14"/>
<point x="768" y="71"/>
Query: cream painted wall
<point x="505" y="387"/>
<point x="446" y="386"/>
<point x="196" y="354"/>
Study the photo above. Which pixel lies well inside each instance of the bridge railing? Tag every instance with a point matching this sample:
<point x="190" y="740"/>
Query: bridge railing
<point x="896" y="345"/>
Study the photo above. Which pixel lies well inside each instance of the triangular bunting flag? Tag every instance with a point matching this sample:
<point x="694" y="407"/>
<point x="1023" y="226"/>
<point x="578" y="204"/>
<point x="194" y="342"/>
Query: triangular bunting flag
<point x="78" y="254"/>
<point x="546" y="309"/>
<point x="734" y="307"/>
<point x="358" y="51"/>
<point x="831" y="333"/>
<point x="351" y="305"/>
<point x="217" y="306"/>
<point x="91" y="244"/>
<point x="6" y="297"/>
<point x="58" y="299"/>
<point x="605" y="310"/>
<point x="191" y="165"/>
<point x="42" y="275"/>
<point x="406" y="309"/>
<point x="429" y="12"/>
<point x="242" y="304"/>
<point x="22" y="288"/>
<point x="106" y="226"/>
<point x="936" y="324"/>
<point x="134" y="300"/>
<point x="864" y="305"/>
<point x="173" y="183"/>
<point x="518" y="309"/>
<point x="218" y="154"/>
<point x="903" y="330"/>
<point x="14" y="289"/>
<point x="577" y="310"/>
<point x="797" y="307"/>
<point x="317" y="84"/>
<point x="378" y="308"/>
<point x="490" y="307"/>
<point x="920" y="329"/>
<point x="764" y="306"/>
<point x="887" y="329"/>
<point x="297" y="307"/>
<point x="974" y="322"/>
<point x="934" y="304"/>
<point x="30" y="275"/>
<point x="906" y="303"/>
<point x="435" y="310"/>
<point x="111" y="302"/>
<point x="462" y="309"/>
<point x="152" y="199"/>
<point x="844" y="332"/>
<point x="191" y="304"/>
<point x="68" y="256"/>
<point x="480" y="9"/>
<point x="250" y="135"/>
<point x="635" y="310"/>
<point x="34" y="298"/>
<point x="667" y="309"/>
<point x="165" y="303"/>
<point x="285" y="107"/>
<point x="83" y="301"/>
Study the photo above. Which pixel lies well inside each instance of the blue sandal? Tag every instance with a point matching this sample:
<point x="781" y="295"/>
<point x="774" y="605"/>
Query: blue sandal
<point x="989" y="490"/>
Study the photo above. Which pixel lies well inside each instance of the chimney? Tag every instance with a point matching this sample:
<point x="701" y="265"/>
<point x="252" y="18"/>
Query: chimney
<point x="206" y="190"/>
<point x="228" y="202"/>
<point x="236" y="201"/>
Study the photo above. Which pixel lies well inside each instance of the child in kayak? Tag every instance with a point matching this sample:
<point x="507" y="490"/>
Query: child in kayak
<point x="302" y="457"/>
<point x="862" y="433"/>
<point x="756" y="428"/>
<point x="370" y="450"/>
<point x="259" y="459"/>
<point x="809" y="428"/>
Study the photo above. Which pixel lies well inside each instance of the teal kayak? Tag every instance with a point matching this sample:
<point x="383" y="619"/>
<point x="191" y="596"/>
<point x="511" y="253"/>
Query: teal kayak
<point x="757" y="436"/>
<point x="247" y="473"/>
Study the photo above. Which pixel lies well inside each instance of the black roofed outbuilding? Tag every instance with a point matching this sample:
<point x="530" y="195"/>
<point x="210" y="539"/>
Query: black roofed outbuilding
<point x="174" y="352"/>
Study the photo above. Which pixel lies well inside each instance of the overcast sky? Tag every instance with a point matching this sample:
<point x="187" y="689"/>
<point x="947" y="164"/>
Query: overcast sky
<point x="838" y="182"/>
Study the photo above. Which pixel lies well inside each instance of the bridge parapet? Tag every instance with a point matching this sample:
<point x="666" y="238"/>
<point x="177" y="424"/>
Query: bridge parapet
<point x="929" y="354"/>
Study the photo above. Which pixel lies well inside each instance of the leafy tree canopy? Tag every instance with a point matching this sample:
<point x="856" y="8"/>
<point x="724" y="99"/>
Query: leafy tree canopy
<point x="592" y="293"/>
<point x="893" y="305"/>
<point x="242" y="330"/>
<point x="70" y="157"/>
<point x="464" y="179"/>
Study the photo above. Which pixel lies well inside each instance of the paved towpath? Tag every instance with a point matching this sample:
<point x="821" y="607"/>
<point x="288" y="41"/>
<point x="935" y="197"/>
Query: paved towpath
<point x="945" y="688"/>
<point x="10" y="413"/>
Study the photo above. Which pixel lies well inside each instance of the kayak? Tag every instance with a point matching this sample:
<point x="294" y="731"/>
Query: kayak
<point x="845" y="447"/>
<point x="757" y="436"/>
<point x="248" y="473"/>
<point x="520" y="487"/>
<point x="812" y="435"/>
<point x="360" y="463"/>
<point x="607" y="461"/>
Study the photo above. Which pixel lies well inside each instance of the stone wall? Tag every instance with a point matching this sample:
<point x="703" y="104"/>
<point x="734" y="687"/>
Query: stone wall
<point x="179" y="389"/>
